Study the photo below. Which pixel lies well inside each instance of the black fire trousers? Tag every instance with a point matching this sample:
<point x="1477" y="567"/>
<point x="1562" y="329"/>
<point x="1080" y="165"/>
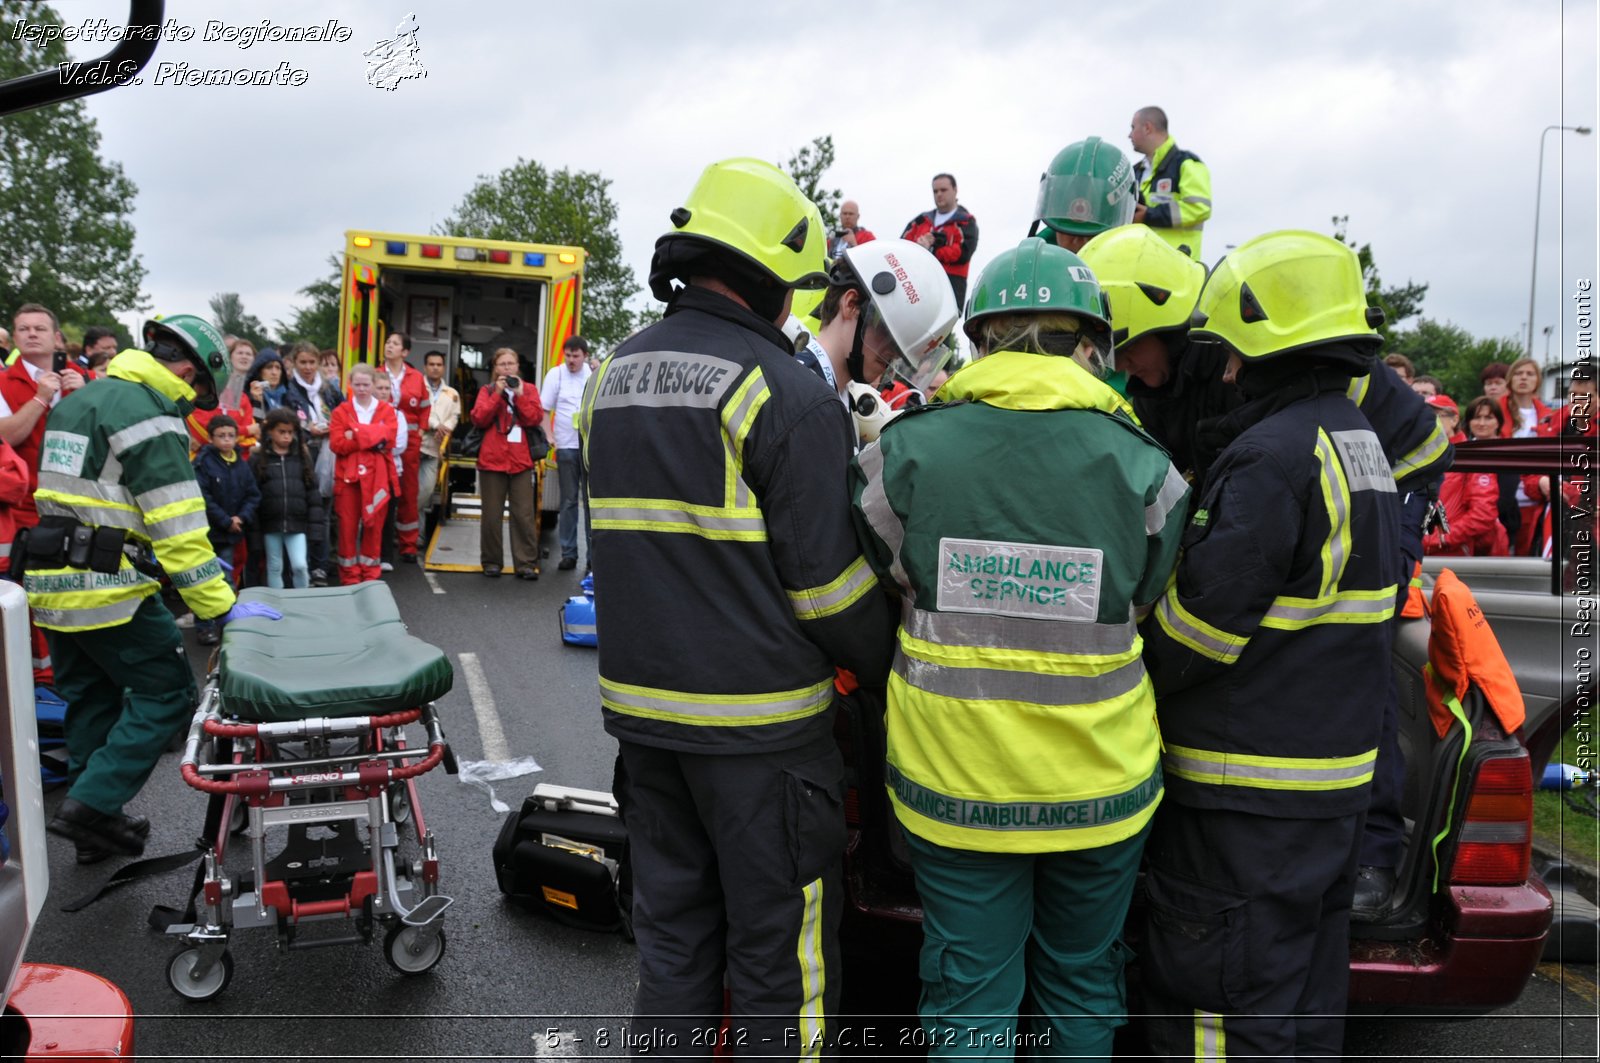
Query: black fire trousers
<point x="1247" y="936"/>
<point x="737" y="865"/>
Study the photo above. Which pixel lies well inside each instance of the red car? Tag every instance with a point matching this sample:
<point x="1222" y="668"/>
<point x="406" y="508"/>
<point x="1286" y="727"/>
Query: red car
<point x="1469" y="917"/>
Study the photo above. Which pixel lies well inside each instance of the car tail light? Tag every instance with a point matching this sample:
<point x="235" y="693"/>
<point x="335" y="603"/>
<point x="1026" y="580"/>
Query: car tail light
<point x="1497" y="826"/>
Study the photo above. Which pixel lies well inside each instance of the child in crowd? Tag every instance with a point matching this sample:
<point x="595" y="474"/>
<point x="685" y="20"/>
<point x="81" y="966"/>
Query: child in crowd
<point x="383" y="391"/>
<point x="290" y="502"/>
<point x="362" y="433"/>
<point x="231" y="495"/>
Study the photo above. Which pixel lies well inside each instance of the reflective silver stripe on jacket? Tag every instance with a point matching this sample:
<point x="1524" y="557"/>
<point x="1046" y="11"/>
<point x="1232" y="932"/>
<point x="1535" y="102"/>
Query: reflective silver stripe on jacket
<point x="83" y="487"/>
<point x="150" y="428"/>
<point x="992" y="631"/>
<point x="704" y="521"/>
<point x="1173" y="489"/>
<point x="96" y="616"/>
<point x="1301" y="611"/>
<point x="100" y="516"/>
<point x="178" y="525"/>
<point x="1000" y="684"/>
<point x="885" y="523"/>
<point x="157" y="497"/>
<point x="622" y="698"/>
<point x="1269" y="773"/>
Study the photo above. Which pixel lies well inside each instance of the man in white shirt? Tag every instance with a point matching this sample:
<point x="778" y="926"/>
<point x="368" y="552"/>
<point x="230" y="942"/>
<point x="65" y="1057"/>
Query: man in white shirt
<point x="444" y="413"/>
<point x="562" y="394"/>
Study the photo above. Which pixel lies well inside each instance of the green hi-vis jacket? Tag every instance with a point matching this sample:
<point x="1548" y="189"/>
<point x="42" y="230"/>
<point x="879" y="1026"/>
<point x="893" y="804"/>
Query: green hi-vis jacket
<point x="116" y="454"/>
<point x="1022" y="521"/>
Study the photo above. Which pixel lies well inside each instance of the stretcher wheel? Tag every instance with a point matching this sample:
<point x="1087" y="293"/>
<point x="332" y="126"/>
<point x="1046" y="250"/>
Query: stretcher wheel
<point x="399" y="806"/>
<point x="411" y="950"/>
<point x="180" y="975"/>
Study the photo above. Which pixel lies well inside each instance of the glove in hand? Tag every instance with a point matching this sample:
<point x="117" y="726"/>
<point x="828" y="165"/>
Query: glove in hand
<point x="245" y="610"/>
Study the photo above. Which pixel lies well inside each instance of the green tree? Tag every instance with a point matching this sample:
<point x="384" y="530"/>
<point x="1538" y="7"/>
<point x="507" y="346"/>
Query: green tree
<point x="1452" y="354"/>
<point x="1398" y="303"/>
<point x="807" y="166"/>
<point x="527" y="202"/>
<point x="318" y="320"/>
<point x="66" y="231"/>
<point x="227" y="312"/>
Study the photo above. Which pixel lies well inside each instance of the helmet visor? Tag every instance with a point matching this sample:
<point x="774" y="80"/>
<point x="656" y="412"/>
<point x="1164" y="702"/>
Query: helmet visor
<point x="1084" y="203"/>
<point x="916" y="369"/>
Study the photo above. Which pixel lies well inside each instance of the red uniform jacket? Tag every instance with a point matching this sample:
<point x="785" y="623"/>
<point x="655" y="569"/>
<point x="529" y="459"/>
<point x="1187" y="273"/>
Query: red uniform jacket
<point x="413" y="402"/>
<point x="1471" y="503"/>
<point x="1509" y="421"/>
<point x="19" y="389"/>
<point x="493" y="414"/>
<point x="360" y="460"/>
<point x="953" y="242"/>
<point x="244" y="415"/>
<point x="16" y="489"/>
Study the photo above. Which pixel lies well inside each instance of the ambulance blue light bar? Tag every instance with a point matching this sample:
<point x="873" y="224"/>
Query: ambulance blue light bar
<point x="533" y="258"/>
<point x="394" y="247"/>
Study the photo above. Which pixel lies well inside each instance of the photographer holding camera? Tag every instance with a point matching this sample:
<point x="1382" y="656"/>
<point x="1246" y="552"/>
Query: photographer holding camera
<point x="509" y="412"/>
<point x="848" y="234"/>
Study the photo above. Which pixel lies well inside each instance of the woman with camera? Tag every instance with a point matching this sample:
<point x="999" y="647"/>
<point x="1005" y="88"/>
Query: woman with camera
<point x="507" y="411"/>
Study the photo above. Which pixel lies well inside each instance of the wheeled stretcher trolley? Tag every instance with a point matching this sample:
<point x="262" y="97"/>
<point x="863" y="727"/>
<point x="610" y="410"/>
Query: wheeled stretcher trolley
<point x="301" y="735"/>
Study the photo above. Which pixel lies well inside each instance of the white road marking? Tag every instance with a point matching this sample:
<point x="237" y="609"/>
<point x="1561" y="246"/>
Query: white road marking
<point x="433" y="582"/>
<point x="489" y="729"/>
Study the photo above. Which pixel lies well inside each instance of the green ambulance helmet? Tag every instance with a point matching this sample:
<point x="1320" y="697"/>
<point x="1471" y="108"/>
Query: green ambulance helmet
<point x="193" y="339"/>
<point x="1087" y="189"/>
<point x="1038" y="277"/>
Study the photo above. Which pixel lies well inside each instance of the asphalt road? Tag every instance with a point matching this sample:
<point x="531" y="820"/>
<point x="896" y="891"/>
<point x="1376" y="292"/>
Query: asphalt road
<point x="514" y="984"/>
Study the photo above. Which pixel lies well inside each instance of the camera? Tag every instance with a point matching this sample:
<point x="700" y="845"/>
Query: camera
<point x="513" y="382"/>
<point x="58" y="361"/>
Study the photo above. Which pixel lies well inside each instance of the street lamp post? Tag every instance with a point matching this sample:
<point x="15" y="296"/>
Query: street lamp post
<point x="1533" y="282"/>
<point x="1547" y="330"/>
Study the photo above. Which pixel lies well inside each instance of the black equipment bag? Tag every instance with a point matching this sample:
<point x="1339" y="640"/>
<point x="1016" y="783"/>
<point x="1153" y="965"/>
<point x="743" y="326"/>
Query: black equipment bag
<point x="565" y="852"/>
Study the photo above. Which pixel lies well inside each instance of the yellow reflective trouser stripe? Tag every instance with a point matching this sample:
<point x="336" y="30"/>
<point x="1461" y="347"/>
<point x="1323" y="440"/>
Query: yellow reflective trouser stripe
<point x="1340" y="607"/>
<point x="1186" y="628"/>
<point x="670" y="515"/>
<point x="1269" y="773"/>
<point x="1210" y="1041"/>
<point x="814" y="603"/>
<point x="813" y="971"/>
<point x="716" y="710"/>
<point x="1336" y="498"/>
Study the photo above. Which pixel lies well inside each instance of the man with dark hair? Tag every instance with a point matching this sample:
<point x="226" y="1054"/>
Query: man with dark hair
<point x="1174" y="185"/>
<point x="948" y="230"/>
<point x="410" y="398"/>
<point x="99" y="345"/>
<point x="728" y="588"/>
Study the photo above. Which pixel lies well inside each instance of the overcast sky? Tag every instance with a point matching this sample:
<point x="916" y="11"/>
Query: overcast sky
<point x="1420" y="120"/>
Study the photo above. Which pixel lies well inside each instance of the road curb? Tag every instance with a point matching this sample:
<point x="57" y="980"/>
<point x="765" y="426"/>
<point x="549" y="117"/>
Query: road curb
<point x="1576" y="874"/>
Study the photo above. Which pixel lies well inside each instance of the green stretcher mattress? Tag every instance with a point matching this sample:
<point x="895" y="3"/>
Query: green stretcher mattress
<point x="338" y="651"/>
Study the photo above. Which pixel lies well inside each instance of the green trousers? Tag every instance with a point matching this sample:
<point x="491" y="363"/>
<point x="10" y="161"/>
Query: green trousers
<point x="995" y="924"/>
<point x="128" y="689"/>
